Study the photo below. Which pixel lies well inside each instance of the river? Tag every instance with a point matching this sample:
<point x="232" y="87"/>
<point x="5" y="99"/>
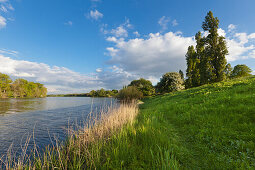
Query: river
<point x="42" y="119"/>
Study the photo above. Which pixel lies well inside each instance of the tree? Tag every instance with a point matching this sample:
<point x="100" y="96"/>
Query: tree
<point x="241" y="70"/>
<point x="215" y="50"/>
<point x="181" y="73"/>
<point x="5" y="81"/>
<point x="228" y="70"/>
<point x="144" y="86"/>
<point x="170" y="82"/>
<point x="192" y="72"/>
<point x="20" y="88"/>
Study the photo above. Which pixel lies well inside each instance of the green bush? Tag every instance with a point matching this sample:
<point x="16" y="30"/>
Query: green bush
<point x="144" y="86"/>
<point x="170" y="82"/>
<point x="241" y="70"/>
<point x="129" y="93"/>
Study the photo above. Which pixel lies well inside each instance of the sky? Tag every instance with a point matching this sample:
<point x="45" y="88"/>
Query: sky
<point x="74" y="46"/>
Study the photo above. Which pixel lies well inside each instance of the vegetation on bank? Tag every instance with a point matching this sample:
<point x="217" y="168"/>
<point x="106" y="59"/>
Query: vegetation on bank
<point x="207" y="127"/>
<point x="93" y="93"/>
<point x="20" y="88"/>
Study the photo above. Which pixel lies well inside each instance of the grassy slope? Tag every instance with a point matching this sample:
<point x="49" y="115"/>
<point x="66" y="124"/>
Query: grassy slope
<point x="208" y="127"/>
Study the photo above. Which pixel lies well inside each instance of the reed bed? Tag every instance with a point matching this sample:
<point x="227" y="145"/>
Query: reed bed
<point x="83" y="148"/>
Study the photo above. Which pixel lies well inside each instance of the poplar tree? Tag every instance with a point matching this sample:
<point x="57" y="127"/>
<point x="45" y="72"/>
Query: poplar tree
<point x="214" y="61"/>
<point x="189" y="59"/>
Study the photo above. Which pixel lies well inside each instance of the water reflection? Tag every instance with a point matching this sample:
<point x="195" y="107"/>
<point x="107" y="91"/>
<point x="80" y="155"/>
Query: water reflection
<point x="21" y="105"/>
<point x="45" y="117"/>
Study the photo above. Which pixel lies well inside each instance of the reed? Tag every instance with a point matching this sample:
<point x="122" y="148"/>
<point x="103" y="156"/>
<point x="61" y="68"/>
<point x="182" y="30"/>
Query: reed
<point x="84" y="145"/>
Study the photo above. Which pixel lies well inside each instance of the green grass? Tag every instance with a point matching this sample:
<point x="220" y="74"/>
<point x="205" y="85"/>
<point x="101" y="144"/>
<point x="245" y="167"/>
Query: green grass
<point x="208" y="127"/>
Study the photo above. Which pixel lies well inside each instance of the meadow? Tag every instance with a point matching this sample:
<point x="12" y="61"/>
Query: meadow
<point x="208" y="127"/>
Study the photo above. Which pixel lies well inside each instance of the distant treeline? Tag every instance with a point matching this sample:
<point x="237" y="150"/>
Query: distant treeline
<point x="93" y="93"/>
<point x="20" y="88"/>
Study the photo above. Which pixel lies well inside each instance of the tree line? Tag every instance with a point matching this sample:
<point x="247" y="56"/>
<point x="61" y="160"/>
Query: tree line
<point x="206" y="63"/>
<point x="93" y="93"/>
<point x="20" y="88"/>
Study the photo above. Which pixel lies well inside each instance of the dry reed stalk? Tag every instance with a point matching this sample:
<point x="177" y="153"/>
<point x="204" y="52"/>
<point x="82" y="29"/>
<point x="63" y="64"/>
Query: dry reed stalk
<point x="99" y="126"/>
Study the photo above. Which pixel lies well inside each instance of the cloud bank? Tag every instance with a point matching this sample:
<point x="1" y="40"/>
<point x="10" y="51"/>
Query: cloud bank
<point x="148" y="56"/>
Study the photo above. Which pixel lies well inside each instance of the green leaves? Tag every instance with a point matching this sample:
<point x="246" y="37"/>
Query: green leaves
<point x="20" y="88"/>
<point x="207" y="63"/>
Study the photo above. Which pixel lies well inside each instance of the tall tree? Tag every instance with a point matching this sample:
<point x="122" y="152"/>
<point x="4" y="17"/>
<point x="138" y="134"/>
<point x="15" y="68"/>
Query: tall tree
<point x="215" y="51"/>
<point x="189" y="59"/>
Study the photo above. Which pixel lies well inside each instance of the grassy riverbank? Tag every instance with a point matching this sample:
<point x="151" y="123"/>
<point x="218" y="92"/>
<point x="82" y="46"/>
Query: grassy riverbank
<point x="208" y="127"/>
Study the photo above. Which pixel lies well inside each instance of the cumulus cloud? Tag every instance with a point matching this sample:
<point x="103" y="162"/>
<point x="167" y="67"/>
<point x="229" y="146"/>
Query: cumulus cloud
<point x="240" y="46"/>
<point x="122" y="29"/>
<point x="2" y="22"/>
<point x="95" y="14"/>
<point x="150" y="57"/>
<point x="231" y="27"/>
<point x="57" y="79"/>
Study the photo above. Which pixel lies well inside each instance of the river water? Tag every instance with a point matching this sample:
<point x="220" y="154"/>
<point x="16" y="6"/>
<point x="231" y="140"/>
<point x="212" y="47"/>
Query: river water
<point x="42" y="119"/>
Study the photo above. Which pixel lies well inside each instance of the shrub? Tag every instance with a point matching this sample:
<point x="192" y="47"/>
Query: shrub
<point x="144" y="86"/>
<point x="241" y="70"/>
<point x="170" y="82"/>
<point x="129" y="93"/>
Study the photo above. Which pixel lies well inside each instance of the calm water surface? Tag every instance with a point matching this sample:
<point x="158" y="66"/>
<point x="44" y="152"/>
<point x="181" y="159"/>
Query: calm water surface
<point x="45" y="117"/>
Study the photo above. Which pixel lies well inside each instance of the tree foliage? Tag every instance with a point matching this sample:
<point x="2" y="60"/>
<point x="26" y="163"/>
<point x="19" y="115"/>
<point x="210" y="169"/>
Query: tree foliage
<point x="170" y="82"/>
<point x="102" y="93"/>
<point x="144" y="86"/>
<point x="241" y="70"/>
<point x="20" y="88"/>
<point x="207" y="63"/>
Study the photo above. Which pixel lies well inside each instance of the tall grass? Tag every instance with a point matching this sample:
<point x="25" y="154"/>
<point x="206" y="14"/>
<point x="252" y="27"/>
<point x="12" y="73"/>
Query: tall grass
<point x="83" y="148"/>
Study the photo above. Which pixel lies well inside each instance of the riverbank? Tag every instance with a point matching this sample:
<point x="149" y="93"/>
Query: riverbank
<point x="208" y="127"/>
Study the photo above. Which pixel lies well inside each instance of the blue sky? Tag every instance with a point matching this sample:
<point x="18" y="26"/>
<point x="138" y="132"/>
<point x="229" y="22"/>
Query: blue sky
<point x="79" y="45"/>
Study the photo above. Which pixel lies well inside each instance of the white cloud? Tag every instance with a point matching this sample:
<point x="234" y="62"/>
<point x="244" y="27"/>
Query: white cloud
<point x="2" y="22"/>
<point x="151" y="57"/>
<point x="136" y="33"/>
<point x="221" y="32"/>
<point x="251" y="36"/>
<point x="174" y="22"/>
<point x="111" y="39"/>
<point x="70" y="23"/>
<point x="57" y="79"/>
<point x="95" y="14"/>
<point x="163" y="22"/>
<point x="231" y="27"/>
<point x="122" y="29"/>
<point x="120" y="32"/>
<point x="99" y="70"/>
